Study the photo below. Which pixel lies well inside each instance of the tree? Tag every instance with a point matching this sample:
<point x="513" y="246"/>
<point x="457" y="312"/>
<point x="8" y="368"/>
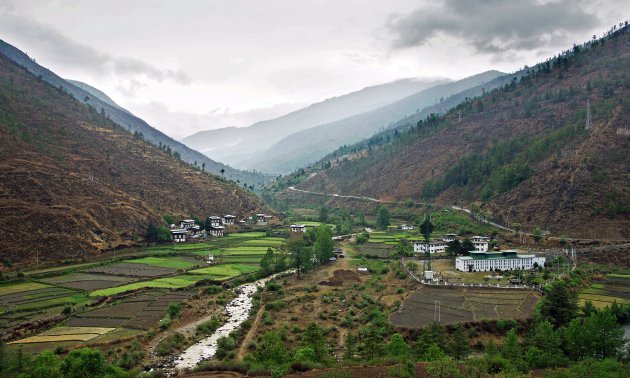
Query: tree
<point x="151" y="233"/>
<point x="323" y="214"/>
<point x="314" y="338"/>
<point x="266" y="263"/>
<point x="511" y="350"/>
<point x="323" y="246"/>
<point x="453" y="249"/>
<point x="83" y="363"/>
<point x="304" y="354"/>
<point x="169" y="219"/>
<point x="560" y="303"/>
<point x="538" y="234"/>
<point x="433" y="334"/>
<point x="398" y="348"/>
<point x="163" y="234"/>
<point x="222" y="172"/>
<point x="203" y="167"/>
<point x="467" y="246"/>
<point x="602" y="334"/>
<point x="459" y="347"/>
<point x="382" y="218"/>
<point x="46" y="365"/>
<point x="271" y="350"/>
<point x="301" y="256"/>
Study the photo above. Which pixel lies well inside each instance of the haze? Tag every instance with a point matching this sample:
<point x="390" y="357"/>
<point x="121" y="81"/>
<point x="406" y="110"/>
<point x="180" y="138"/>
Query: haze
<point x="198" y="65"/>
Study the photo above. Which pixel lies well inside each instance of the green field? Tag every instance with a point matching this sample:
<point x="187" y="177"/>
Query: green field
<point x="614" y="288"/>
<point x="163" y="262"/>
<point x="224" y="272"/>
<point x="176" y="282"/>
<point x="247" y="235"/>
<point x="264" y="242"/>
<point x="19" y="288"/>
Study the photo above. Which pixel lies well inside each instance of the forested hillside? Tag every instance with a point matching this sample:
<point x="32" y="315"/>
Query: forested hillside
<point x="526" y="151"/>
<point x="73" y="183"/>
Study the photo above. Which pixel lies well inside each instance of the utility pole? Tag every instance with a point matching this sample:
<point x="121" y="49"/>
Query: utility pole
<point x="589" y="120"/>
<point x="437" y="311"/>
<point x="427" y="229"/>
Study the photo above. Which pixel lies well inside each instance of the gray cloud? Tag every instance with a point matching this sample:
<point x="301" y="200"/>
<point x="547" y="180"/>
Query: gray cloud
<point x="56" y="48"/>
<point x="497" y="27"/>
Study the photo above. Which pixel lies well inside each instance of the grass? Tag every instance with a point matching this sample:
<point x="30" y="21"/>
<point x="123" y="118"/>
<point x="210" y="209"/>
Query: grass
<point x="46" y="303"/>
<point x="264" y="242"/>
<point x="175" y="282"/>
<point x="614" y="275"/>
<point x="20" y="288"/>
<point x="163" y="262"/>
<point x="59" y="269"/>
<point x="227" y="271"/>
<point x="57" y="338"/>
<point x="241" y="259"/>
<point x="604" y="298"/>
<point x="247" y="235"/>
<point x="57" y="331"/>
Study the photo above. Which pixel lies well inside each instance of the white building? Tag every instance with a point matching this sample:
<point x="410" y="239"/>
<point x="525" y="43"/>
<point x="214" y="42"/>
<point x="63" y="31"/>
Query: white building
<point x="435" y="246"/>
<point x="260" y="218"/>
<point x="481" y="243"/>
<point x="216" y="231"/>
<point x="178" y="236"/>
<point x="449" y="237"/>
<point x="186" y="223"/>
<point x="215" y="221"/>
<point x="228" y="220"/>
<point x="298" y="228"/>
<point x="504" y="260"/>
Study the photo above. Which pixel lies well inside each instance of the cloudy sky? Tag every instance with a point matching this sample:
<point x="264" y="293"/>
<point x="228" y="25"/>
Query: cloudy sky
<point x="191" y="65"/>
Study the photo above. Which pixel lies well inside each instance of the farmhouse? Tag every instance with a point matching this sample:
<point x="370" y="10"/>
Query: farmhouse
<point x="449" y="237"/>
<point x="504" y="260"/>
<point x="405" y="227"/>
<point x="186" y="223"/>
<point x="194" y="231"/>
<point x="216" y="231"/>
<point x="228" y="220"/>
<point x="435" y="246"/>
<point x="480" y="243"/>
<point x="214" y="221"/>
<point x="260" y="218"/>
<point x="298" y="228"/>
<point x="178" y="236"/>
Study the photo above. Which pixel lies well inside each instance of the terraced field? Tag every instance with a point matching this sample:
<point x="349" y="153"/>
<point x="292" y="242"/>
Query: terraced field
<point x="460" y="305"/>
<point x="614" y="288"/>
<point x="86" y="281"/>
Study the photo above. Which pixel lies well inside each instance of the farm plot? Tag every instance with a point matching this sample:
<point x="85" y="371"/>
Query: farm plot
<point x="264" y="242"/>
<point x="87" y="282"/>
<point x="226" y="271"/>
<point x="65" y="334"/>
<point x="459" y="305"/>
<point x="132" y="270"/>
<point x="174" y="282"/>
<point x="614" y="288"/>
<point x="34" y="296"/>
<point x="165" y="262"/>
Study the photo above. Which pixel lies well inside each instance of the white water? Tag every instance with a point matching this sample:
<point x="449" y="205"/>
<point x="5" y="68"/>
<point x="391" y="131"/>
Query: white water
<point x="238" y="310"/>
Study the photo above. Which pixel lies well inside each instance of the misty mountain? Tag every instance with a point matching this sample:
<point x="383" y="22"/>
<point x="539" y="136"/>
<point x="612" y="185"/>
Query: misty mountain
<point x="124" y="118"/>
<point x="241" y="146"/>
<point x="305" y="147"/>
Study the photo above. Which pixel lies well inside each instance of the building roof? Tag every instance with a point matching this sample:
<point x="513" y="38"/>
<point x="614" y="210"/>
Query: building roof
<point x="507" y="254"/>
<point x="214" y="217"/>
<point x="297" y="226"/>
<point x="217" y="227"/>
<point x="178" y="231"/>
<point x="188" y="220"/>
<point x="229" y="216"/>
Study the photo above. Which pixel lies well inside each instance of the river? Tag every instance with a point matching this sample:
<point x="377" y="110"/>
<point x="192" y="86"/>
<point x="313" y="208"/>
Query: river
<point x="238" y="311"/>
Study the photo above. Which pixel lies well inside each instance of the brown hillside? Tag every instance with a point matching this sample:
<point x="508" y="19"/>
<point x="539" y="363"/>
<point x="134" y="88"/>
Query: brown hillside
<point x="73" y="183"/>
<point x="579" y="180"/>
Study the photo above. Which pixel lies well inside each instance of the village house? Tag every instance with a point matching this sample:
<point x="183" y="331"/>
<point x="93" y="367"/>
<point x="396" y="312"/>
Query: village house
<point x="405" y="227"/>
<point x="194" y="231"/>
<point x="481" y="243"/>
<point x="449" y="238"/>
<point x="216" y="231"/>
<point x="435" y="246"/>
<point x="260" y="218"/>
<point x="505" y="260"/>
<point x="228" y="220"/>
<point x="214" y="221"/>
<point x="179" y="236"/>
<point x="184" y="224"/>
<point x="298" y="228"/>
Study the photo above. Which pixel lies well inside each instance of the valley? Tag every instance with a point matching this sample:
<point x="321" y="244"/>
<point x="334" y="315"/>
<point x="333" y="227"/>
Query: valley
<point x="405" y="224"/>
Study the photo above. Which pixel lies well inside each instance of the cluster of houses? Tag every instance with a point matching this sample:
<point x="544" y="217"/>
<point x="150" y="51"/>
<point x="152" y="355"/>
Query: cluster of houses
<point x="481" y="259"/>
<point x="187" y="229"/>
<point x="481" y="244"/>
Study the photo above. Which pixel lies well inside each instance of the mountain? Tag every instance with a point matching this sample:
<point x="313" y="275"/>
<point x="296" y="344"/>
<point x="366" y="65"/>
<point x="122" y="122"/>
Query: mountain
<point x="96" y="93"/>
<point x="73" y="182"/>
<point x="523" y="152"/>
<point x="307" y="146"/>
<point x="241" y="146"/>
<point x="124" y="118"/>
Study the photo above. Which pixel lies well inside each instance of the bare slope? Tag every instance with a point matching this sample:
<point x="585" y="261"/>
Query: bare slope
<point x="124" y="118"/>
<point x="523" y="150"/>
<point x="73" y="183"/>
